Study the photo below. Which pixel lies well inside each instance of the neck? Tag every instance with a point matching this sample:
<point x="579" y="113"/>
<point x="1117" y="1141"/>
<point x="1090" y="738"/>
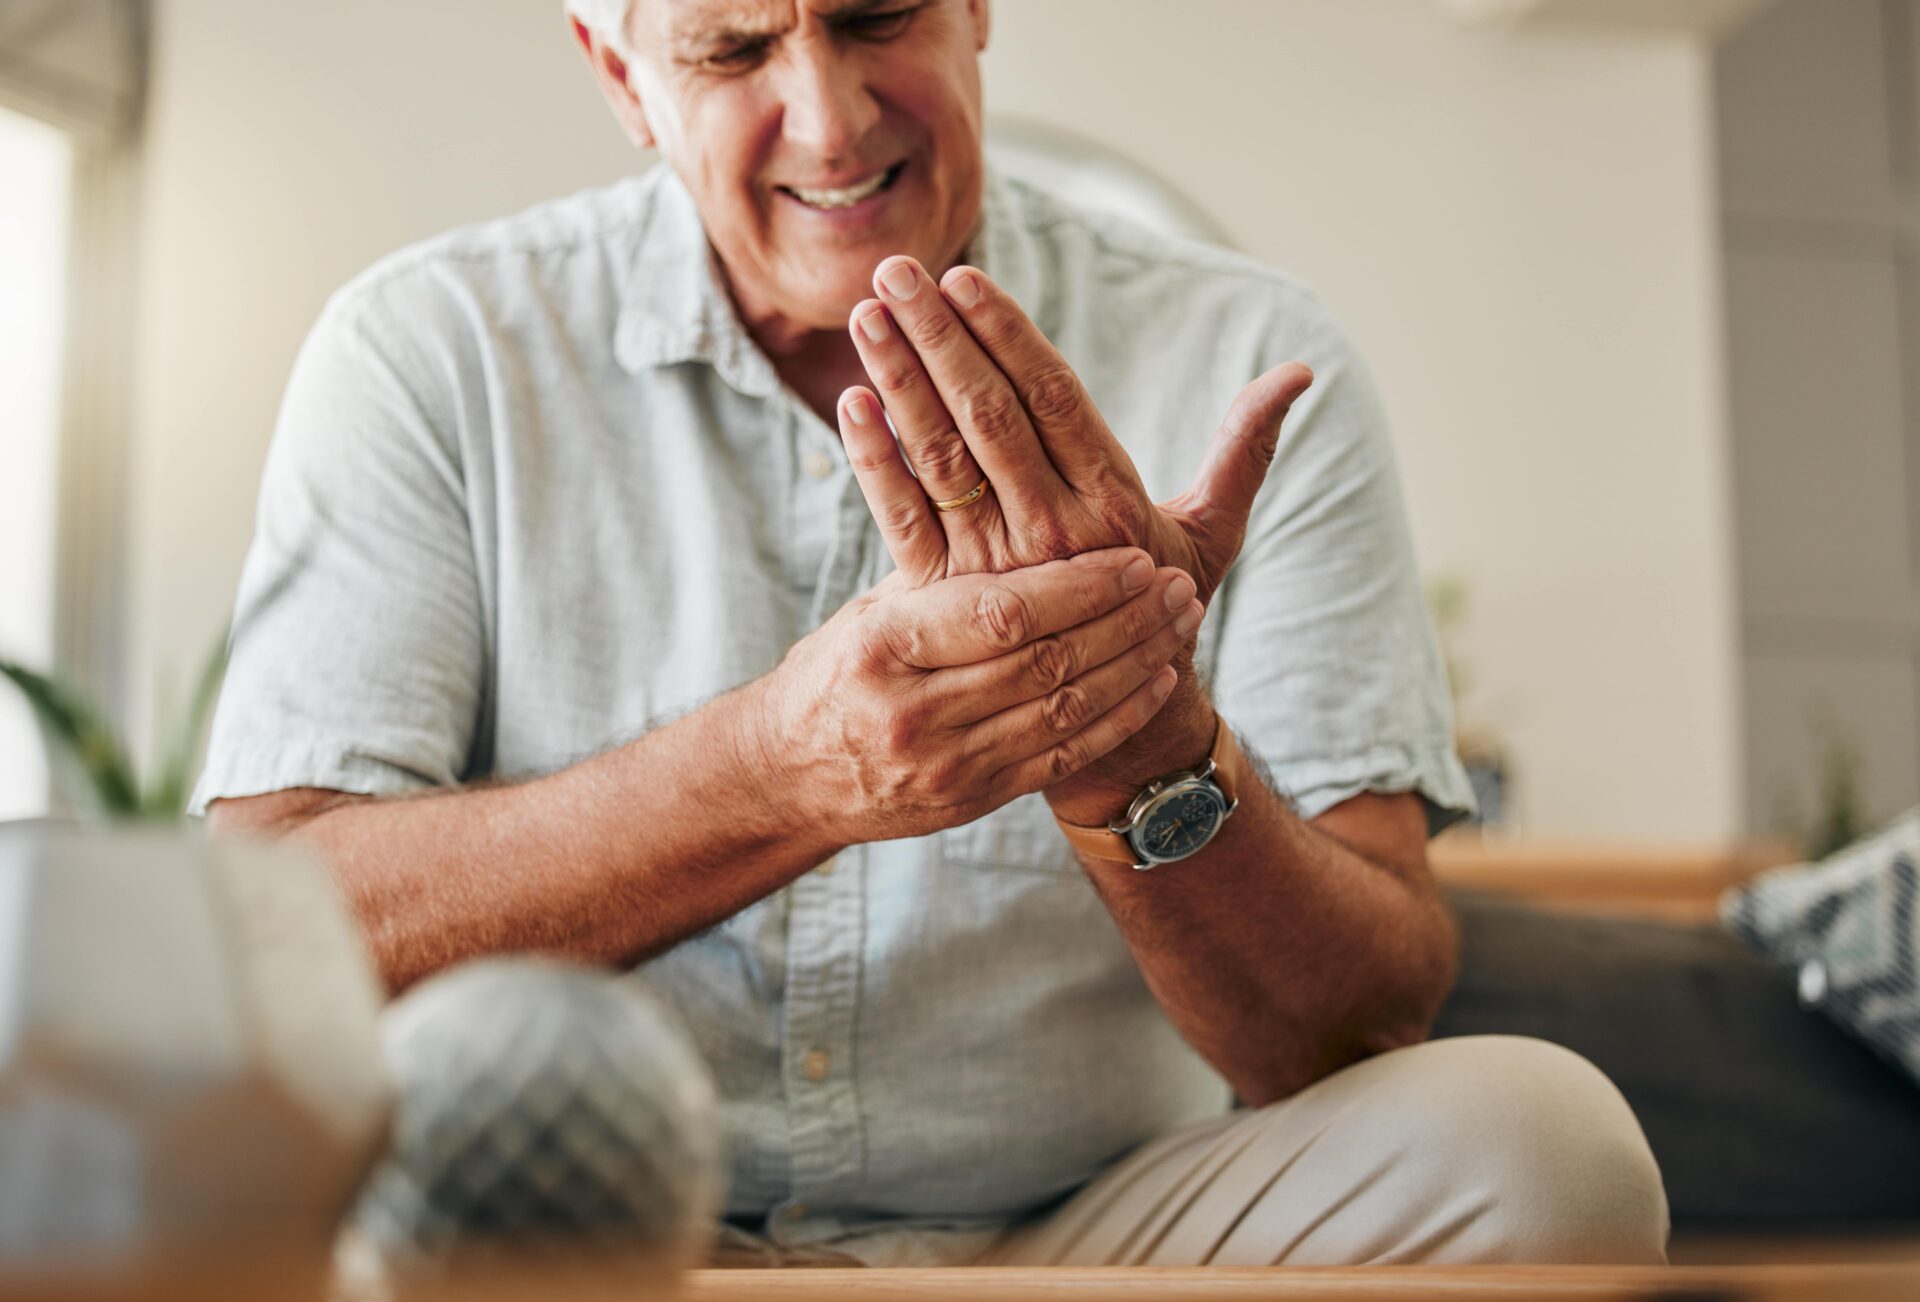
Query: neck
<point x="817" y="364"/>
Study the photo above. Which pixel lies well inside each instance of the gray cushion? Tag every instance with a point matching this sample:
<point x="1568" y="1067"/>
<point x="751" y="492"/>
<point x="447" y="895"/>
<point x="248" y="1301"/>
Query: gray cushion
<point x="1760" y="1113"/>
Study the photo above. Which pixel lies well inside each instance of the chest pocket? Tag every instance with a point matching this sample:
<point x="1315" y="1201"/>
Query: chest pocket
<point x="1020" y="836"/>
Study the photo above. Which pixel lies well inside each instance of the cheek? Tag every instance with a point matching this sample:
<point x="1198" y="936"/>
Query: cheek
<point x="733" y="133"/>
<point x="945" y="112"/>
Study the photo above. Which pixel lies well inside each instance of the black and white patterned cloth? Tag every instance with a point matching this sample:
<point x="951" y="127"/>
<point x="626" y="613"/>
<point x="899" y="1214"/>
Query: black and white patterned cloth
<point x="1849" y="927"/>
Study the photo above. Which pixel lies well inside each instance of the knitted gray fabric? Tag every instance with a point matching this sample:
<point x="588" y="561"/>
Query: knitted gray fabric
<point x="538" y="1102"/>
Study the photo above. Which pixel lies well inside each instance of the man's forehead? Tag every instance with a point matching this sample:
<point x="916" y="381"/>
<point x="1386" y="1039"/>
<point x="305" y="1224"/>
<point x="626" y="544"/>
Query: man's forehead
<point x="698" y="20"/>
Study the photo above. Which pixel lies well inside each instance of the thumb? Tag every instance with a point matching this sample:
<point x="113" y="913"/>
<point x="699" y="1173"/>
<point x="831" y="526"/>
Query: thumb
<point x="1242" y="448"/>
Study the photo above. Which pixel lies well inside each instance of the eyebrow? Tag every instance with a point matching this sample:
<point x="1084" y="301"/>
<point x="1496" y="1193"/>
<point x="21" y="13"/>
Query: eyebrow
<point x="692" y="32"/>
<point x="743" y="32"/>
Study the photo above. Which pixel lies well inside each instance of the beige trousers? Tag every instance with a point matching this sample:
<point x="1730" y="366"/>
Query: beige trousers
<point x="1485" y="1149"/>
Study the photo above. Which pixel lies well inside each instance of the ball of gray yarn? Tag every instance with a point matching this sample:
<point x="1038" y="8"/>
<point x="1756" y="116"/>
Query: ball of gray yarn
<point x="541" y="1102"/>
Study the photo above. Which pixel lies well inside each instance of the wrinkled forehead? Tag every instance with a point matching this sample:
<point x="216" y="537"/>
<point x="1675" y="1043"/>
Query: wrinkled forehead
<point x="699" y="22"/>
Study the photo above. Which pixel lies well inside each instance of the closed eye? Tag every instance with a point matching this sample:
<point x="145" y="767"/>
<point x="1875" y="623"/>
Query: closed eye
<point x="882" y="25"/>
<point x="738" y="58"/>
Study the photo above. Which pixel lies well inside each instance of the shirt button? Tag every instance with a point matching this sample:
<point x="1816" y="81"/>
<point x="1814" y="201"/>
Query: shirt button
<point x="817" y="465"/>
<point x="816" y="1065"/>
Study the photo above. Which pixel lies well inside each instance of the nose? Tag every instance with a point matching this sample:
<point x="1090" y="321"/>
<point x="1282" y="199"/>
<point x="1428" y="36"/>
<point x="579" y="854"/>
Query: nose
<point x="827" y="109"/>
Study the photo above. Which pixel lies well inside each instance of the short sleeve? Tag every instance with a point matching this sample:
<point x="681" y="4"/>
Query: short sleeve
<point x="1326" y="662"/>
<point x="356" y="655"/>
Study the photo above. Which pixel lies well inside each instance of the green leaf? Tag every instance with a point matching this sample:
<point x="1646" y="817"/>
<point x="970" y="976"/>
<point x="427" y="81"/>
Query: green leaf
<point x="68" y="722"/>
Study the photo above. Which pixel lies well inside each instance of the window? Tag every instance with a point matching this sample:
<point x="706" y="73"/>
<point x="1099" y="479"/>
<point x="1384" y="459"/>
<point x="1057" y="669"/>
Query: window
<point x="36" y="162"/>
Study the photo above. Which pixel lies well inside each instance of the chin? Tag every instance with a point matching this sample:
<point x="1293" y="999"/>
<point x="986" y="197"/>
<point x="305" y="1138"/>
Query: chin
<point x="825" y="300"/>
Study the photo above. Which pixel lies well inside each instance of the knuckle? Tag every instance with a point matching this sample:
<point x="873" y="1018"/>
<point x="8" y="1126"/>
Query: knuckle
<point x="1068" y="709"/>
<point x="1047" y="539"/>
<point x="992" y="413"/>
<point x="891" y="646"/>
<point x="1050" y="663"/>
<point x="902" y="518"/>
<point x="902" y="731"/>
<point x="868" y="462"/>
<point x="998" y="330"/>
<point x="875" y="646"/>
<point x="943" y="777"/>
<point x="1066" y="759"/>
<point x="1138" y="622"/>
<point x="898" y="376"/>
<point x="944" y="458"/>
<point x="938" y="329"/>
<point x="1055" y="396"/>
<point x="1003" y="616"/>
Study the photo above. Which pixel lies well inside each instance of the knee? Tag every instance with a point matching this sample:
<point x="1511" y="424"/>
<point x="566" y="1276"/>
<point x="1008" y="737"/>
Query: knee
<point x="1549" y="1155"/>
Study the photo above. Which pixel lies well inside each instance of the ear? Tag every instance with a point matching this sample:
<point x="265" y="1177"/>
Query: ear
<point x="981" y="13"/>
<point x="610" y="72"/>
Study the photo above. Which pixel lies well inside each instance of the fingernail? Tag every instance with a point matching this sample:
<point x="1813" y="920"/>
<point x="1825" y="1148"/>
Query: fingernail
<point x="1189" y="619"/>
<point x="1179" y="592"/>
<point x="1138" y="573"/>
<point x="857" y="409"/>
<point x="900" y="280"/>
<point x="874" y="325"/>
<point x="1163" y="683"/>
<point x="964" y="290"/>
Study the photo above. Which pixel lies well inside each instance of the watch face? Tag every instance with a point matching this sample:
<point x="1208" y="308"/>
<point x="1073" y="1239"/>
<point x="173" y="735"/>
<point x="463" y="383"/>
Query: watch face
<point x="1180" y="824"/>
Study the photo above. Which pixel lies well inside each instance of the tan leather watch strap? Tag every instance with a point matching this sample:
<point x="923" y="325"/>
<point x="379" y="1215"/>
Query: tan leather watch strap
<point x="1229" y="772"/>
<point x="1097" y="842"/>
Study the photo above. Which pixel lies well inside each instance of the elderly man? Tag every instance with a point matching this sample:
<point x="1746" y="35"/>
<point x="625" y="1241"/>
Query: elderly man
<point x="573" y="625"/>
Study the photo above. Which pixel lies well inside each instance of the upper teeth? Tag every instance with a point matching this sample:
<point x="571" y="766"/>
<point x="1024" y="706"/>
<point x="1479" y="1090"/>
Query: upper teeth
<point x="840" y="198"/>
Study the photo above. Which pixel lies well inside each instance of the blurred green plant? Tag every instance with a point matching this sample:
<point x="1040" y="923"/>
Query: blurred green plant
<point x="1841" y="820"/>
<point x="1839" y="817"/>
<point x="75" y="730"/>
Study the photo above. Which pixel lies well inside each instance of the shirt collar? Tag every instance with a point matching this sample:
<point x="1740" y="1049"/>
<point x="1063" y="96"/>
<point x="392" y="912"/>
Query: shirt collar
<point x="675" y="309"/>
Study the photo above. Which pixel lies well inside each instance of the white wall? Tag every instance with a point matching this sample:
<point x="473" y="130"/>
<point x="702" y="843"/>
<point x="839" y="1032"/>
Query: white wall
<point x="36" y="161"/>
<point x="1518" y="228"/>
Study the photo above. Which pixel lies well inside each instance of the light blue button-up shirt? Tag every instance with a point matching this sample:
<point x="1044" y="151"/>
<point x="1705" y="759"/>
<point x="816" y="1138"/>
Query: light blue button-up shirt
<point x="534" y="490"/>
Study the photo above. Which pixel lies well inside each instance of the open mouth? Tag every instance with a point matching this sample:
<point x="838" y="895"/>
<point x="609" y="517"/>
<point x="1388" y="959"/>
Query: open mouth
<point x="828" y="200"/>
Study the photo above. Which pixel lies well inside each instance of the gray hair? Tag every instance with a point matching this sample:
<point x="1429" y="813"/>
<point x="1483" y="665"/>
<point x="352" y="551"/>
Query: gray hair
<point x="606" y="19"/>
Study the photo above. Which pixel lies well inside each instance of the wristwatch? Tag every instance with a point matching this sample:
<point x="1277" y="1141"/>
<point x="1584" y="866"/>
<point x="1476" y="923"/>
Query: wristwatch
<point x="1175" y="817"/>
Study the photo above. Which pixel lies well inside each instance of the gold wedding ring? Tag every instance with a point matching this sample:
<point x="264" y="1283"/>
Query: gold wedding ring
<point x="968" y="498"/>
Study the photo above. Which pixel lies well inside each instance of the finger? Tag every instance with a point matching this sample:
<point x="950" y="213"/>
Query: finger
<point x="1068" y="425"/>
<point x="1242" y="448"/>
<point x="915" y="537"/>
<point x="928" y="435"/>
<point x="968" y="694"/>
<point x="1032" y="726"/>
<point x="970" y="386"/>
<point x="975" y="617"/>
<point x="1065" y="758"/>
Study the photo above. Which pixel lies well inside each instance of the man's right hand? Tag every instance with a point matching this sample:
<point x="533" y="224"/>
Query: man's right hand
<point x="913" y="710"/>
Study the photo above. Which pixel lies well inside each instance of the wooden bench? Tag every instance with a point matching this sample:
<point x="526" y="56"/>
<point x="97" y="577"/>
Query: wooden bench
<point x="1675" y="883"/>
<point x="1838" y="1283"/>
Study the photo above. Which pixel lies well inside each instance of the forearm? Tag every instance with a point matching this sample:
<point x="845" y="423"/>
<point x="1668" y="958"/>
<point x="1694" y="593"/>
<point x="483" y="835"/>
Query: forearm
<point x="1280" y="952"/>
<point x="613" y="860"/>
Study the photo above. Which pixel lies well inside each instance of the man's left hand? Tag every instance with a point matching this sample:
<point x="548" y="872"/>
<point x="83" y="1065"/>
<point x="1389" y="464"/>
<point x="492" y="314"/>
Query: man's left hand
<point x="977" y="393"/>
<point x="978" y="396"/>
